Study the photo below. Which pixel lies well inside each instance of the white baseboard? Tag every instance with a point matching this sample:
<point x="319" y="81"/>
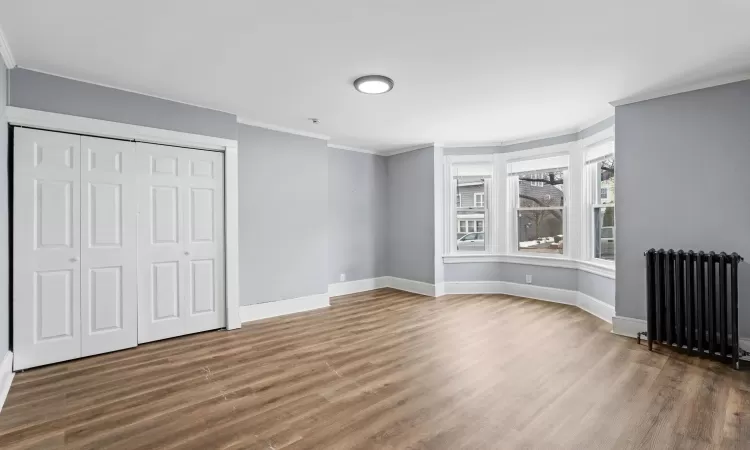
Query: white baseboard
<point x="249" y="313"/>
<point x="439" y="289"/>
<point x="402" y="284"/>
<point x="626" y="326"/>
<point x="6" y="376"/>
<point x="417" y="287"/>
<point x="587" y="303"/>
<point x="520" y="290"/>
<point x="353" y="287"/>
<point x="596" y="307"/>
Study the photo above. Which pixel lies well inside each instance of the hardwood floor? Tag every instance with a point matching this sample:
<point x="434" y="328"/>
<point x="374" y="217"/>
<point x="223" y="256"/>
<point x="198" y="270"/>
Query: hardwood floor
<point x="387" y="370"/>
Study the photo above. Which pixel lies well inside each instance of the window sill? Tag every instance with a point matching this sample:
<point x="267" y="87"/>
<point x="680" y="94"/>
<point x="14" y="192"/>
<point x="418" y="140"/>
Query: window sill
<point x="604" y="270"/>
<point x="598" y="268"/>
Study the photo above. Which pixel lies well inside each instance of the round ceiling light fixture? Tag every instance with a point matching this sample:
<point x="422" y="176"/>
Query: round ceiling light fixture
<point x="373" y="84"/>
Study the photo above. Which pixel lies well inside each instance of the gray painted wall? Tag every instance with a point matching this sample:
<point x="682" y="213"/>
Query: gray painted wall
<point x="283" y="244"/>
<point x="601" y="288"/>
<point x="357" y="215"/>
<point x="682" y="183"/>
<point x="35" y="90"/>
<point x="4" y="215"/>
<point x="411" y="212"/>
<point x="553" y="277"/>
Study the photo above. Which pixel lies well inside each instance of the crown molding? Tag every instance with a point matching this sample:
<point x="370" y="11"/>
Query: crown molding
<point x="268" y="126"/>
<point x="354" y="149"/>
<point x="473" y="144"/>
<point x="599" y="118"/>
<point x="406" y="149"/>
<point x="523" y="140"/>
<point x="7" y="55"/>
<point x="679" y="89"/>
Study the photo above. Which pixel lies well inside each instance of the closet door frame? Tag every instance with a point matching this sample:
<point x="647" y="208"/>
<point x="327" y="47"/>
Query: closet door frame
<point x="22" y="117"/>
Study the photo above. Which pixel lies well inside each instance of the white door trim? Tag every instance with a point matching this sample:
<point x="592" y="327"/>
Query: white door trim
<point x="6" y="376"/>
<point x="103" y="128"/>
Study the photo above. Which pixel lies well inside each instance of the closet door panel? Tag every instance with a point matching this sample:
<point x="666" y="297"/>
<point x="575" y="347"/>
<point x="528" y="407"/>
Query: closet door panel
<point x="204" y="186"/>
<point x="109" y="300"/>
<point x="46" y="247"/>
<point x="181" y="241"/>
<point x="161" y="265"/>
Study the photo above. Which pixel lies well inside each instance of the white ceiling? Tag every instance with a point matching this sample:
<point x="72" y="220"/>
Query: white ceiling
<point x="470" y="71"/>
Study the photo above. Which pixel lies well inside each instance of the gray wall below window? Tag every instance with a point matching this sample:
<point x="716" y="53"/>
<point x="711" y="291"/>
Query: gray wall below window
<point x="553" y="277"/>
<point x="43" y="92"/>
<point x="4" y="215"/>
<point x="357" y="215"/>
<point x="284" y="242"/>
<point x="682" y="164"/>
<point x="411" y="215"/>
<point x="596" y="286"/>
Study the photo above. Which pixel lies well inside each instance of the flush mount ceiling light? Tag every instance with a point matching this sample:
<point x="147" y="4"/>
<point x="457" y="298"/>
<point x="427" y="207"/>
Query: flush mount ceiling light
<point x="373" y="84"/>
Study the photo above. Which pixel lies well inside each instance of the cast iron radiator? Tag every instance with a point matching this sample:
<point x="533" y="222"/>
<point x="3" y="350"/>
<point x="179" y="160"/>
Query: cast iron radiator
<point x="692" y="302"/>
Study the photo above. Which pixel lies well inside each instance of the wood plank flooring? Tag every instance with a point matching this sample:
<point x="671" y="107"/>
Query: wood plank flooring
<point x="387" y="370"/>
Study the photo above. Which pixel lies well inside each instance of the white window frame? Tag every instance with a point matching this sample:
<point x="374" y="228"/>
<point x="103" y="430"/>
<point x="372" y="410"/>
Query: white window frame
<point x="594" y="155"/>
<point x="513" y="231"/>
<point x="451" y="164"/>
<point x="480" y="196"/>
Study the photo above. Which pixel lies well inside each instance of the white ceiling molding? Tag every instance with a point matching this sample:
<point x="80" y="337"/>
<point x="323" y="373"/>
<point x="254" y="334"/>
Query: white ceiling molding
<point x="7" y="55"/>
<point x="407" y="149"/>
<point x="597" y="119"/>
<point x="514" y="141"/>
<point x="539" y="137"/>
<point x="269" y="126"/>
<point x="354" y="149"/>
<point x="650" y="95"/>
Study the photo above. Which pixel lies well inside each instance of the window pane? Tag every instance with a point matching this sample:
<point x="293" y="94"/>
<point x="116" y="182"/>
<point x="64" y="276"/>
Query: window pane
<point x="541" y="189"/>
<point x="540" y="231"/>
<point x="470" y="192"/>
<point x="474" y="223"/>
<point x="607" y="181"/>
<point x="470" y="199"/>
<point x="604" y="233"/>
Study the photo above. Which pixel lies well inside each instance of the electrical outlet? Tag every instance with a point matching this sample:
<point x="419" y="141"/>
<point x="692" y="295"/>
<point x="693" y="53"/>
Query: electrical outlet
<point x="342" y="277"/>
<point x="528" y="279"/>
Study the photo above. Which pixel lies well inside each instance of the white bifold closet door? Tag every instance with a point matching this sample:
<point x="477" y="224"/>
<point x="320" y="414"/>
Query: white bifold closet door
<point x="180" y="241"/>
<point x="109" y="263"/>
<point x="74" y="247"/>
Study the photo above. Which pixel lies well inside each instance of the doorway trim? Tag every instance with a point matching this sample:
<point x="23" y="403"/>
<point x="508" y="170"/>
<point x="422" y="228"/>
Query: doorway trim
<point x="103" y="128"/>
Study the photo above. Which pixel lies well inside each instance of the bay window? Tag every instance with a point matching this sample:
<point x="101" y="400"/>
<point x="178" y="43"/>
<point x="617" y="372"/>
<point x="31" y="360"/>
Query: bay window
<point x="552" y="205"/>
